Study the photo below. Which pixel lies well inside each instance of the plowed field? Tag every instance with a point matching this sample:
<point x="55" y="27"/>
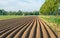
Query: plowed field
<point x="26" y="27"/>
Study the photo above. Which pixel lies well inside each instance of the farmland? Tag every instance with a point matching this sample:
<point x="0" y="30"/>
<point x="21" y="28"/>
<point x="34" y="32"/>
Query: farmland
<point x="26" y="27"/>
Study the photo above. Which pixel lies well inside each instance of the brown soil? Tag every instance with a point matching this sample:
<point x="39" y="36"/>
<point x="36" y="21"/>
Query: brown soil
<point x="26" y="27"/>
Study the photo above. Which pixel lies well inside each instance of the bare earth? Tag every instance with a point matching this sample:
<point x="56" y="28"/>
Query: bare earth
<point x="26" y="27"/>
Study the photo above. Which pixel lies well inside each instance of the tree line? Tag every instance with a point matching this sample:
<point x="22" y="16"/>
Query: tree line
<point x="3" y="12"/>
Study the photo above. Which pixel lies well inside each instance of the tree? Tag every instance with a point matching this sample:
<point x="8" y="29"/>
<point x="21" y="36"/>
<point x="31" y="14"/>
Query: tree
<point x="19" y="13"/>
<point x="0" y="12"/>
<point x="36" y="12"/>
<point x="3" y="12"/>
<point x="50" y="7"/>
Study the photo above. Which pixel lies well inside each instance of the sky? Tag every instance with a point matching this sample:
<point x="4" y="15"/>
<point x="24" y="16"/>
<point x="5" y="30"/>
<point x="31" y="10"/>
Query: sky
<point x="24" y="5"/>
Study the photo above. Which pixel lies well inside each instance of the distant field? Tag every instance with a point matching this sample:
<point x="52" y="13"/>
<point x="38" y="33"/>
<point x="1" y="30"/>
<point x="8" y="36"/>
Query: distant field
<point x="9" y="17"/>
<point x="52" y="19"/>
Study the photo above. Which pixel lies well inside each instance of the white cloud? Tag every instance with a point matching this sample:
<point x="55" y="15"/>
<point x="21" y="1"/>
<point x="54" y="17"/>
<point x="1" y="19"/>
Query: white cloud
<point x="25" y="5"/>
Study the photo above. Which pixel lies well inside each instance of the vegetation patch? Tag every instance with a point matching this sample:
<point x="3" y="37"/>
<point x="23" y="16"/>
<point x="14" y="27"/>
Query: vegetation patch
<point x="52" y="19"/>
<point x="9" y="17"/>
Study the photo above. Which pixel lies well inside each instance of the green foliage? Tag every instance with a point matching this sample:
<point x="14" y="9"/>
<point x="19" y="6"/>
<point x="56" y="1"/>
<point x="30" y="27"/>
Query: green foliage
<point x="19" y="13"/>
<point x="52" y="19"/>
<point x="32" y="13"/>
<point x="50" y="7"/>
<point x="36" y="12"/>
<point x="3" y="12"/>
